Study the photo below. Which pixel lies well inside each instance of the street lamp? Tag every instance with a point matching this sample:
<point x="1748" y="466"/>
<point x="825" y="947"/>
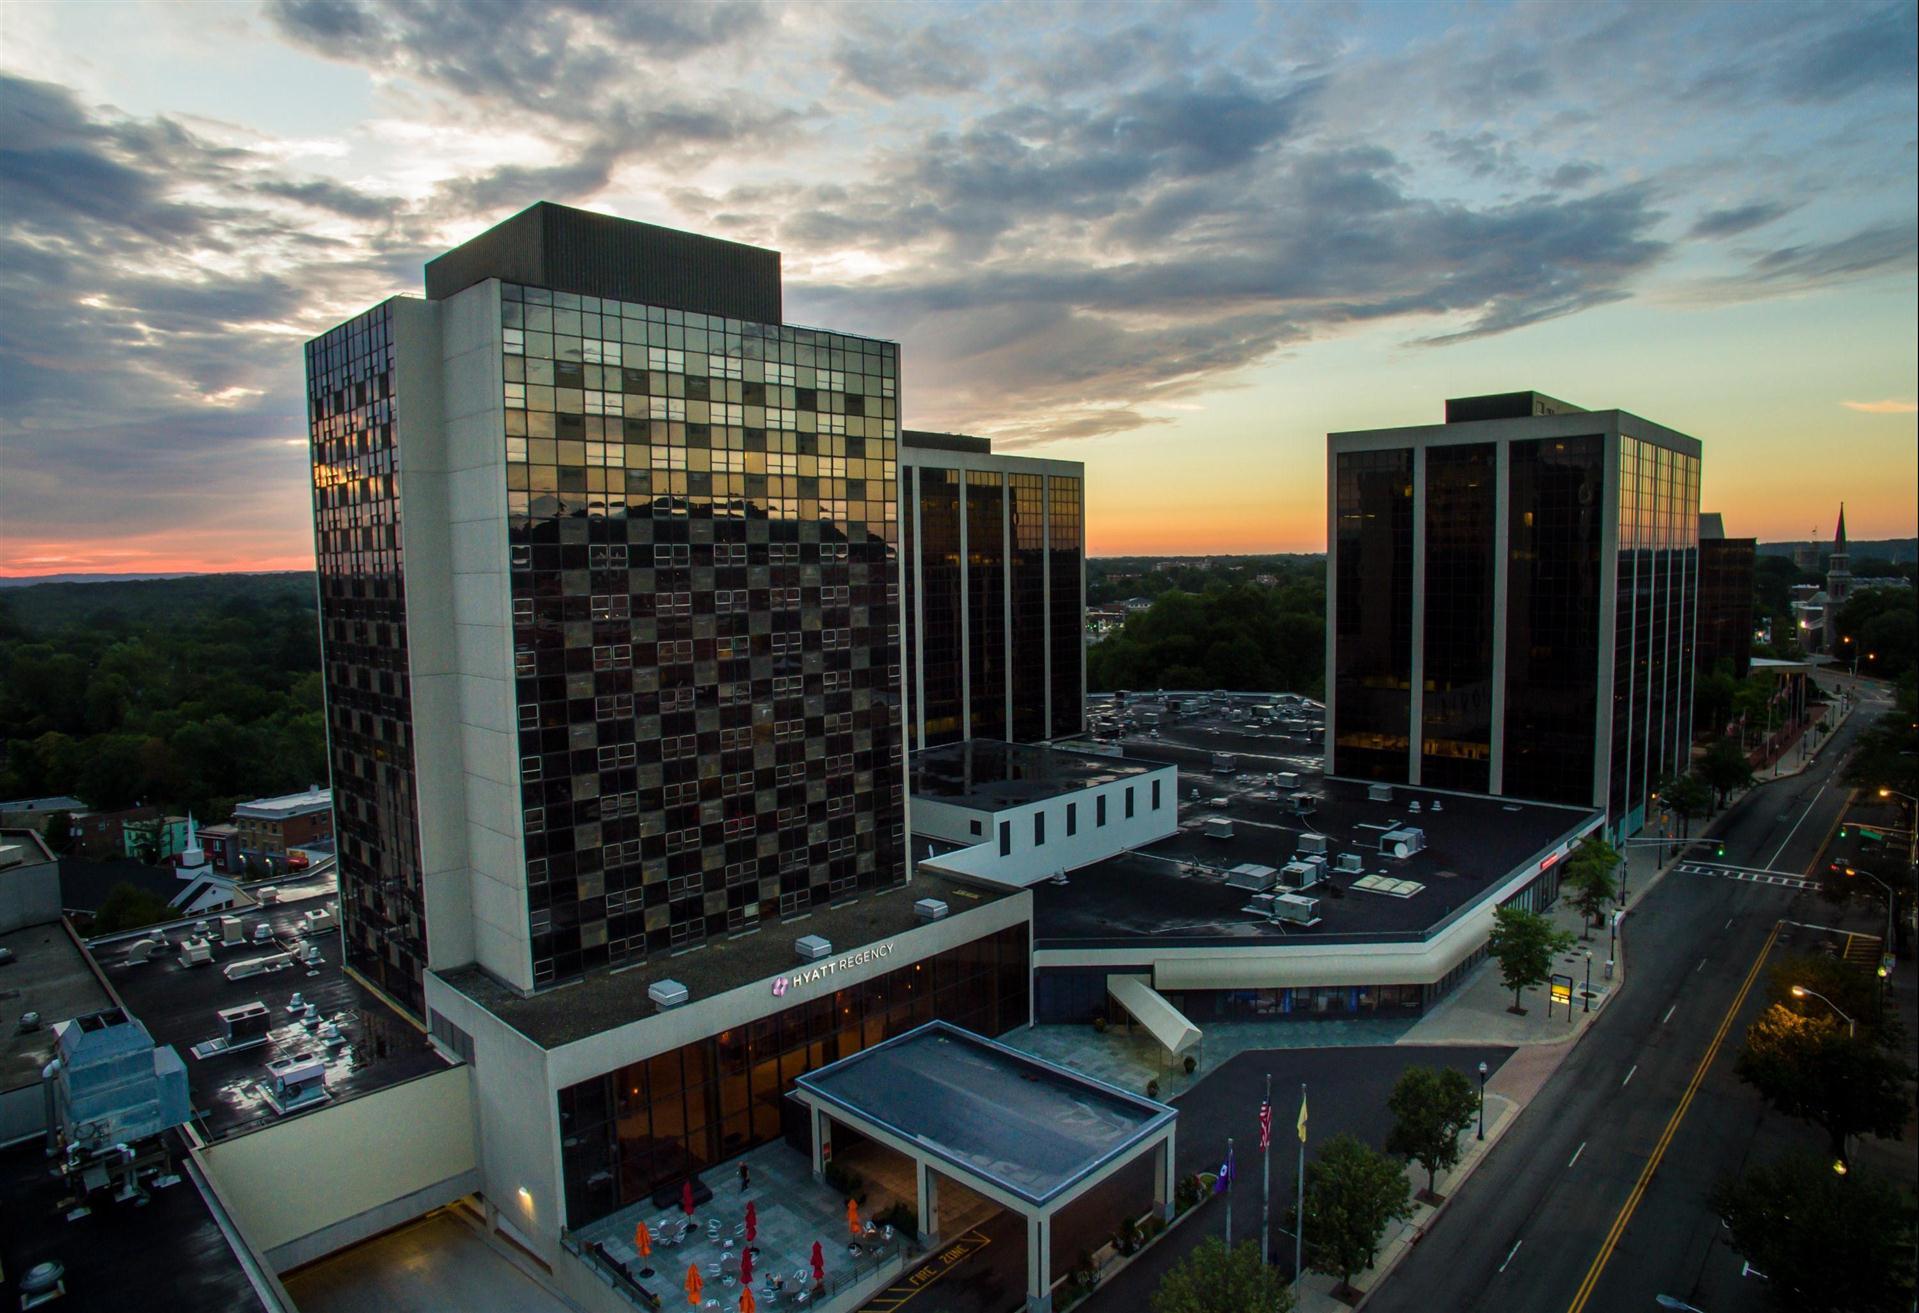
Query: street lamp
<point x="1589" y="980"/>
<point x="1482" y="1100"/>
<point x="1800" y="991"/>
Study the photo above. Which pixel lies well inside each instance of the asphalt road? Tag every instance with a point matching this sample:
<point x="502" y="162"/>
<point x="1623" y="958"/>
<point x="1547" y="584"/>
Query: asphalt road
<point x="1527" y="1231"/>
<point x="1346" y="1092"/>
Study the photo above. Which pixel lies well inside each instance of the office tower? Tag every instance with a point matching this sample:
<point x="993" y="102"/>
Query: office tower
<point x="608" y="595"/>
<point x="1511" y="603"/>
<point x="995" y="592"/>
<point x="1725" y="599"/>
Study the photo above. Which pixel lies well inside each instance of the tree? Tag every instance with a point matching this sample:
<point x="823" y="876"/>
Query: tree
<point x="127" y="907"/>
<point x="1524" y="944"/>
<point x="58" y="831"/>
<point x="1810" y="1068"/>
<point x="1686" y="796"/>
<point x="1213" y="1279"/>
<point x="1431" y="1107"/>
<point x="1854" y="989"/>
<point x="1725" y="768"/>
<point x="1827" y="1243"/>
<point x="1886" y="753"/>
<point x="1352" y="1192"/>
<point x="1589" y="877"/>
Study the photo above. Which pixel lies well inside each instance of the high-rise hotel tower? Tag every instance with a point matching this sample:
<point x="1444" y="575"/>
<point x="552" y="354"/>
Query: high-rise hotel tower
<point x="609" y="600"/>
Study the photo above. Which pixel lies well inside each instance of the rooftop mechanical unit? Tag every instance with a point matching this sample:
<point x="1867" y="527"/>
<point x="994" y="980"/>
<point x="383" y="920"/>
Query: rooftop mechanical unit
<point x="1350" y="864"/>
<point x="929" y="909"/>
<point x="1302" y="804"/>
<point x="295" y="1082"/>
<point x="112" y="1084"/>
<point x="1286" y="779"/>
<point x="666" y="993"/>
<point x="1312" y="843"/>
<point x="1219" y="827"/>
<point x="812" y="948"/>
<point x="1299" y="875"/>
<point x="1225" y="763"/>
<point x="1403" y="842"/>
<point x="1298" y="910"/>
<point x="1252" y="876"/>
<point x="1379" y="792"/>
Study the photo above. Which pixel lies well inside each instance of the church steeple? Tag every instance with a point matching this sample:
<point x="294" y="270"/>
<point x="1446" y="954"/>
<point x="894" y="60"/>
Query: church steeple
<point x="1838" y="569"/>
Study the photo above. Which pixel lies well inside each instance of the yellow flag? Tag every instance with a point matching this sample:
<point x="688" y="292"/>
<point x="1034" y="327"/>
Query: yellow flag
<point x="1302" y="1116"/>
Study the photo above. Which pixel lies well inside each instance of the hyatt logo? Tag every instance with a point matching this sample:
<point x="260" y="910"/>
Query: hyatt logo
<point x="783" y="983"/>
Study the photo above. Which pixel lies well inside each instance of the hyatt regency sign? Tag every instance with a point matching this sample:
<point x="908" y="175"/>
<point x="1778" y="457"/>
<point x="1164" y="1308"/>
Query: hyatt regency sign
<point x="817" y="973"/>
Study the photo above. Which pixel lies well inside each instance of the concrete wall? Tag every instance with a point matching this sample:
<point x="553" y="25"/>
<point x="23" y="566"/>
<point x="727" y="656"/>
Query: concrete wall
<point x="30" y="885"/>
<point x="304" y="1187"/>
<point x="1029" y="861"/>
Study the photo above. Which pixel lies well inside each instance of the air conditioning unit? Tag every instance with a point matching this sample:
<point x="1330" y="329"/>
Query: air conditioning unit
<point x="1293" y="908"/>
<point x="1350" y="864"/>
<point x="929" y="909"/>
<point x="812" y="948"/>
<point x="666" y="993"/>
<point x="1312" y="843"/>
<point x="1402" y="842"/>
<point x="1379" y="792"/>
<point x="1299" y="875"/>
<point x="1219" y="827"/>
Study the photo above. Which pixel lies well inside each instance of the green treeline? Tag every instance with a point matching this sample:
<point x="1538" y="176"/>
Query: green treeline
<point x="1229" y="632"/>
<point x="182" y="693"/>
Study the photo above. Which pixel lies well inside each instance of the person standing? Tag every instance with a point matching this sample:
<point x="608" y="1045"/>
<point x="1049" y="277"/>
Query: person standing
<point x="746" y="1177"/>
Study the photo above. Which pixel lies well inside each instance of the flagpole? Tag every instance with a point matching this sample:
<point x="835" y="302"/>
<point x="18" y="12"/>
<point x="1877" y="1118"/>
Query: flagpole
<point x="1266" y="1176"/>
<point x="1299" y="1211"/>
<point x="1229" y="1193"/>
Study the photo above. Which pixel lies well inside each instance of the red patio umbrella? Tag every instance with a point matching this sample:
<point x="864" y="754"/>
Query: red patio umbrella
<point x="746" y="1267"/>
<point x="686" y="1196"/>
<point x="752" y="1221"/>
<point x="819" y="1264"/>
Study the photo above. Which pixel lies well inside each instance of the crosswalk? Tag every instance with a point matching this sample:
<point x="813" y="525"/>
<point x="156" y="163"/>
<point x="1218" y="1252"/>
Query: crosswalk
<point x="1745" y="873"/>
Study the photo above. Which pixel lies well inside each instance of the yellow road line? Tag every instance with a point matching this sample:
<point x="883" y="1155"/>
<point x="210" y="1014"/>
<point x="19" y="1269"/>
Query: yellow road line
<point x="1672" y="1126"/>
<point x="899" y="1297"/>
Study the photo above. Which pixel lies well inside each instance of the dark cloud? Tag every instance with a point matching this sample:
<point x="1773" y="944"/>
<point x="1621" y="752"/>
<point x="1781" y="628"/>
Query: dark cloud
<point x="1870" y="251"/>
<point x="333" y="197"/>
<point x="556" y="56"/>
<point x="894" y="64"/>
<point x="1738" y="219"/>
<point x="1870" y="46"/>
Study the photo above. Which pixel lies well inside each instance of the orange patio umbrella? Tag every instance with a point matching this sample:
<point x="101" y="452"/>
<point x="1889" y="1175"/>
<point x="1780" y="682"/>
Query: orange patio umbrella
<point x="693" y="1284"/>
<point x="643" y="1240"/>
<point x="853" y="1216"/>
<point x="746" y="1302"/>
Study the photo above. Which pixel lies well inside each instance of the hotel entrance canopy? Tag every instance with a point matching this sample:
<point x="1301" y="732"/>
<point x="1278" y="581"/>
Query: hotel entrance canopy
<point x="1029" y="1135"/>
<point x="1149" y="1008"/>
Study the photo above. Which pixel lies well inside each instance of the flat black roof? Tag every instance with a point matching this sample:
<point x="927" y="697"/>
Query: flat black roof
<point x="1030" y="1126"/>
<point x="570" y="1012"/>
<point x="569" y="250"/>
<point x="49" y="975"/>
<point x="179" y="1006"/>
<point x="167" y="1255"/>
<point x="990" y="775"/>
<point x="1174" y="891"/>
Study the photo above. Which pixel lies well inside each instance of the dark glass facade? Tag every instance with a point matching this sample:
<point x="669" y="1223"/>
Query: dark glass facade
<point x="986" y="602"/>
<point x="1456" y="697"/>
<point x="1555" y="522"/>
<point x="1029" y="606"/>
<point x="352" y="414"/>
<point x="1373" y="620"/>
<point x="647" y="1125"/>
<point x="1725" y="603"/>
<point x="1022" y="559"/>
<point x="702" y="518"/>
<point x="909" y="606"/>
<point x="1066" y="564"/>
<point x="1653" y="644"/>
<point x="941" y="656"/>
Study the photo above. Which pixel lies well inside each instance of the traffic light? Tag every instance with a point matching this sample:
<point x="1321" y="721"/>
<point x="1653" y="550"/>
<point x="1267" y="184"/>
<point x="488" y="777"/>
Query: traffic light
<point x="1842" y="831"/>
<point x="1719" y="850"/>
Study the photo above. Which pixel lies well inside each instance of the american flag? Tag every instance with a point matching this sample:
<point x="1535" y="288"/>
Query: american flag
<point x="1265" y="1123"/>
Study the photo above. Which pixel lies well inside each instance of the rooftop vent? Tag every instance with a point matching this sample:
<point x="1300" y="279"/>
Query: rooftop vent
<point x="1438" y="806"/>
<point x="1379" y="792"/>
<point x="929" y="909"/>
<point x="666" y="993"/>
<point x="812" y="948"/>
<point x="1413" y="806"/>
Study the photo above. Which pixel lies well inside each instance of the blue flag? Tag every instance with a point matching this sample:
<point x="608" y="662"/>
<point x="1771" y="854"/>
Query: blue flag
<point x="1226" y="1174"/>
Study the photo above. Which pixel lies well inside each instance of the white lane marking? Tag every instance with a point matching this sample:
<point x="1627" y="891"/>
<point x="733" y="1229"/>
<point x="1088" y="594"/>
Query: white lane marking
<point x="1576" y="1152"/>
<point x="1628" y="1080"/>
<point x="1669" y="1011"/>
<point x="1510" y="1253"/>
<point x="1728" y="924"/>
<point x="1796" y="824"/>
<point x="1700" y="967"/>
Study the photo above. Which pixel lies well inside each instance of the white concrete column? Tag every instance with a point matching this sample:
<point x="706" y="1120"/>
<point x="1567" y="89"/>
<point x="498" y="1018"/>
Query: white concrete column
<point x="929" y="1202"/>
<point x="1163" y="1183"/>
<point x="1039" y="1264"/>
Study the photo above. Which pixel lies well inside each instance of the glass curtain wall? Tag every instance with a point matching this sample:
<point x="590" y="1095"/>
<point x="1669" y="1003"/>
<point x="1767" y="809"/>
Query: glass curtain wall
<point x="909" y="619"/>
<point x="1066" y="562"/>
<point x="648" y="1125"/>
<point x="1373" y="621"/>
<point x="352" y="416"/>
<point x="1456" y="700"/>
<point x="1555" y="521"/>
<point x="1029" y="606"/>
<point x="986" y="602"/>
<point x="702" y="524"/>
<point x="941" y="656"/>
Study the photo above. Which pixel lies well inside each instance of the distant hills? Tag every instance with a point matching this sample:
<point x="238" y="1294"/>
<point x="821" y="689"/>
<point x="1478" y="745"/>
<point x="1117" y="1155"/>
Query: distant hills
<point x="1895" y="550"/>
<point x="40" y="608"/>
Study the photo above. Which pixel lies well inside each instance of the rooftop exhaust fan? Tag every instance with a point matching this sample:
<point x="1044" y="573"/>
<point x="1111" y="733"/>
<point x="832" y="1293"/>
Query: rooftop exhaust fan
<point x="667" y="993"/>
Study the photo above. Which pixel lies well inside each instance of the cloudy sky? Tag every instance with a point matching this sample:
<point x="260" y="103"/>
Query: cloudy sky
<point x="1180" y="244"/>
